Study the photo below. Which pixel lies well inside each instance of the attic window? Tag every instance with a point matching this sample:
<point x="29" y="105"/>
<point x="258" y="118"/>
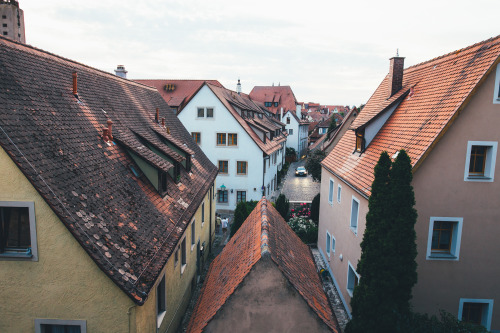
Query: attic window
<point x="275" y="103"/>
<point x="360" y="140"/>
<point x="162" y="183"/>
<point x="268" y="104"/>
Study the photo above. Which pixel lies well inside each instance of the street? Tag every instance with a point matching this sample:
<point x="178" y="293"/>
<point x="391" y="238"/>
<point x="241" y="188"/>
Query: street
<point x="301" y="189"/>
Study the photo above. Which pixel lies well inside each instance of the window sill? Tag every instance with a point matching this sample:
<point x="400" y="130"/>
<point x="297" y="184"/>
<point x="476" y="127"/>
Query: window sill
<point x="350" y="292"/>
<point x="159" y="318"/>
<point x="354" y="230"/>
<point x="16" y="256"/>
<point x="441" y="256"/>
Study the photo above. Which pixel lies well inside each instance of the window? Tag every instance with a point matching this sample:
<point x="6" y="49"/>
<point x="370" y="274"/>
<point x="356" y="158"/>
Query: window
<point x="268" y="104"/>
<point x="290" y="131"/>
<point x="232" y="139"/>
<point x="275" y="103"/>
<point x="162" y="182"/>
<point x="4" y="16"/>
<point x="288" y="120"/>
<point x="18" y="230"/>
<point x="360" y="140"/>
<point x="161" y="300"/>
<point x="4" y="25"/>
<point x="476" y="311"/>
<point x="496" y="94"/>
<point x="183" y="255"/>
<point x="223" y="167"/>
<point x="330" y="192"/>
<point x="352" y="279"/>
<point x="196" y="137"/>
<point x="5" y="33"/>
<point x="202" y="213"/>
<point x="480" y="161"/>
<point x="60" y="326"/>
<point x="176" y="258"/>
<point x="241" y="196"/>
<point x="193" y="234"/>
<point x="354" y="215"/>
<point x="222" y="196"/>
<point x="328" y="243"/>
<point x="339" y="193"/>
<point x="201" y="112"/>
<point x="333" y="245"/>
<point x="221" y="139"/>
<point x="444" y="238"/>
<point x="241" y="168"/>
<point x="210" y="112"/>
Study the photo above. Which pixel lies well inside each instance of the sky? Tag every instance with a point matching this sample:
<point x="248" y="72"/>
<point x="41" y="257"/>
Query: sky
<point x="330" y="52"/>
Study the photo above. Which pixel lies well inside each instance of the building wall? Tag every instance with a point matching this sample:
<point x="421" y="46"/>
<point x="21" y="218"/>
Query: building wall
<point x="64" y="283"/>
<point x="14" y="28"/>
<point x="266" y="302"/>
<point x="246" y="150"/>
<point x="335" y="218"/>
<point x="441" y="191"/>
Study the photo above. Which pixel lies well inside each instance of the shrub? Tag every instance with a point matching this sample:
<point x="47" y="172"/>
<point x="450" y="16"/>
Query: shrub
<point x="305" y="228"/>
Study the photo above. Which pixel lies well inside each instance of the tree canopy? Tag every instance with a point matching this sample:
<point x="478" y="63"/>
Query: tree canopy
<point x="313" y="164"/>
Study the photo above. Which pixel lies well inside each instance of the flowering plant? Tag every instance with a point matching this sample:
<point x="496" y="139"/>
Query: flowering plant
<point x="305" y="228"/>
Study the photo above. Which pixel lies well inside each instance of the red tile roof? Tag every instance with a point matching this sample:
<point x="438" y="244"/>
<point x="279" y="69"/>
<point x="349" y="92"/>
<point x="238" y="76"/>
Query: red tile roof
<point x="281" y="94"/>
<point x="263" y="232"/>
<point x="118" y="218"/>
<point x="177" y="92"/>
<point x="440" y="88"/>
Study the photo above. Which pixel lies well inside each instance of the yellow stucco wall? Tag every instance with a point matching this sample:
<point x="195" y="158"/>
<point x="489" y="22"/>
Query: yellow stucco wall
<point x="66" y="284"/>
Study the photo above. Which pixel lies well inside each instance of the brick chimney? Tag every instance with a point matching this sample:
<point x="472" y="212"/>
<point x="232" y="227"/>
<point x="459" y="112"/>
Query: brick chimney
<point x="396" y="75"/>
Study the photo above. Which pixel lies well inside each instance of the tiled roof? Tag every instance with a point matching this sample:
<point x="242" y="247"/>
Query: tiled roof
<point x="177" y="92"/>
<point x="233" y="101"/>
<point x="264" y="232"/>
<point x="54" y="137"/>
<point x="281" y="94"/>
<point x="432" y="95"/>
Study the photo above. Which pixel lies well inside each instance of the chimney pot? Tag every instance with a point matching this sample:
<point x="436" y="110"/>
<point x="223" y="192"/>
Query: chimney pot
<point x="75" y="83"/>
<point x="396" y="74"/>
<point x="110" y="127"/>
<point x="163" y="122"/>
<point x="105" y="134"/>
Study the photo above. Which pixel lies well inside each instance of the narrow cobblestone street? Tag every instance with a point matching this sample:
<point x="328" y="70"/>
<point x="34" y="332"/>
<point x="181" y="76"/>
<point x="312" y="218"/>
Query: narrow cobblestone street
<point x="297" y="189"/>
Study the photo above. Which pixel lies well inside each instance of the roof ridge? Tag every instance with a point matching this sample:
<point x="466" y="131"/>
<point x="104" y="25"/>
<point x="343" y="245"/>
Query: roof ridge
<point x="28" y="46"/>
<point x="453" y="52"/>
<point x="264" y="236"/>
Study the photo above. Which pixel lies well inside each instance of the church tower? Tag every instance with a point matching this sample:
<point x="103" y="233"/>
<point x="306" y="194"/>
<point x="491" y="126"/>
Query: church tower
<point x="12" y="20"/>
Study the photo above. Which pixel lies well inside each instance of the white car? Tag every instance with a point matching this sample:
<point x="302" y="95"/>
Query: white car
<point x="300" y="171"/>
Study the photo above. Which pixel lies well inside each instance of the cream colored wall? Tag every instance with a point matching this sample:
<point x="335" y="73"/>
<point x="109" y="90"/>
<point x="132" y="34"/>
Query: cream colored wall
<point x="441" y="191"/>
<point x="178" y="285"/>
<point x="65" y="283"/>
<point x="336" y="218"/>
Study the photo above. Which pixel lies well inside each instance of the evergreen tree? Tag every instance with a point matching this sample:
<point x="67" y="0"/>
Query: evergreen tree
<point x="315" y="209"/>
<point x="282" y="206"/>
<point x="313" y="164"/>
<point x="387" y="265"/>
<point x="243" y="209"/>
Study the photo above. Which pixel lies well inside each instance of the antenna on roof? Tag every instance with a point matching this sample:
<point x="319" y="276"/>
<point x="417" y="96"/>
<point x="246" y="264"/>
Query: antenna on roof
<point x="397" y="52"/>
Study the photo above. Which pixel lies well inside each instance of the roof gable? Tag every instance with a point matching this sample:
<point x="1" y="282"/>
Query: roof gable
<point x="54" y="137"/>
<point x="437" y="91"/>
<point x="264" y="233"/>
<point x="283" y="95"/>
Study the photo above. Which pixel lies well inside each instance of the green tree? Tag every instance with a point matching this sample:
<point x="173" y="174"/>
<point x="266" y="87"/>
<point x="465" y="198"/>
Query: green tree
<point x="282" y="206"/>
<point x="331" y="128"/>
<point x="243" y="209"/>
<point x="315" y="208"/>
<point x="382" y="297"/>
<point x="313" y="164"/>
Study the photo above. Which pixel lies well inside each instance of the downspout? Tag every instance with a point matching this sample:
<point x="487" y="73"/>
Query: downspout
<point x="263" y="189"/>
<point x="129" y="313"/>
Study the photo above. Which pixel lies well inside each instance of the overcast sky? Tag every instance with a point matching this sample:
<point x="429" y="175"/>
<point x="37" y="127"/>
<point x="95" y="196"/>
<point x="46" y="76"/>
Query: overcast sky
<point x="329" y="52"/>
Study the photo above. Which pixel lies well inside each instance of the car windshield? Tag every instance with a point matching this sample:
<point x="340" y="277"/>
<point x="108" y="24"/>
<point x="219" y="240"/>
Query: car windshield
<point x="301" y="169"/>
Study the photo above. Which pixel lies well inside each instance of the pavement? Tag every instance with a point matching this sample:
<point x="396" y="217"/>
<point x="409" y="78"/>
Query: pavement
<point x="297" y="189"/>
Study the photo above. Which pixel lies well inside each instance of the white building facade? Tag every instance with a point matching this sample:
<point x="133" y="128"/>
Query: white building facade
<point x="297" y="131"/>
<point x="237" y="136"/>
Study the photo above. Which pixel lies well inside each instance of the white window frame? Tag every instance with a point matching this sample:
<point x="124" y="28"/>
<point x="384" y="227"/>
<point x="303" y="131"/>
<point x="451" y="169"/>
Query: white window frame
<point x="339" y="193"/>
<point x="334" y="242"/>
<point x="328" y="243"/>
<point x="455" y="243"/>
<point x="489" y="168"/>
<point x="349" y="284"/>
<point x="330" y="191"/>
<point x="34" y="248"/>
<point x="486" y="320"/>
<point x="40" y="322"/>
<point x="354" y="228"/>
<point x="290" y="131"/>
<point x="496" y="96"/>
<point x="161" y="315"/>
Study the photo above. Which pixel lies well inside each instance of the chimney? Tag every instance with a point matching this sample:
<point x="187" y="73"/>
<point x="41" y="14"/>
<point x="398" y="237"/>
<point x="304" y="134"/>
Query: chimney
<point x="110" y="133"/>
<point x="238" y="87"/>
<point x="105" y="136"/>
<point x="157" y="116"/>
<point x="298" y="111"/>
<point x="396" y="74"/>
<point x="162" y="122"/>
<point x="120" y="71"/>
<point x="75" y="84"/>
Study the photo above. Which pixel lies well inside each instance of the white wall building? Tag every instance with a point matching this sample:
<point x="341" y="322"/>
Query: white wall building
<point x="234" y="132"/>
<point x="297" y="131"/>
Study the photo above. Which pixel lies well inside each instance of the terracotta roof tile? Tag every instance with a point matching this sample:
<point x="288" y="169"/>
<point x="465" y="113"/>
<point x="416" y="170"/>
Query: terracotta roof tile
<point x="263" y="232"/>
<point x="120" y="220"/>
<point x="433" y="93"/>
<point x="281" y="94"/>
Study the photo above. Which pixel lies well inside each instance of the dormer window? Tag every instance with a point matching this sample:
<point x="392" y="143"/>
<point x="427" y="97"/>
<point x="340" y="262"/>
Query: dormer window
<point x="268" y="104"/>
<point x="360" y="140"/>
<point x="288" y="120"/>
<point x="276" y="104"/>
<point x="162" y="183"/>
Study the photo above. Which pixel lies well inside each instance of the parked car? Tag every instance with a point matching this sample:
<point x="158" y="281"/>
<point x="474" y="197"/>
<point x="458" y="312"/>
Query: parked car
<point x="300" y="171"/>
